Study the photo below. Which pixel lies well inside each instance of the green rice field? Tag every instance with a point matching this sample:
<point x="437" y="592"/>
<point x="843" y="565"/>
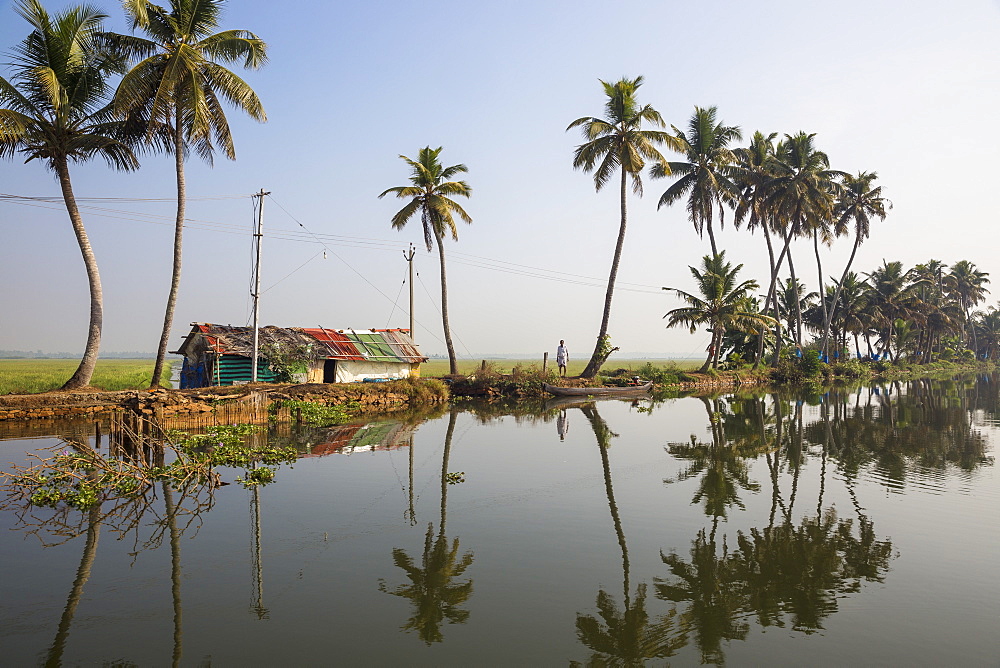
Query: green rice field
<point x="439" y="367"/>
<point x="29" y="376"/>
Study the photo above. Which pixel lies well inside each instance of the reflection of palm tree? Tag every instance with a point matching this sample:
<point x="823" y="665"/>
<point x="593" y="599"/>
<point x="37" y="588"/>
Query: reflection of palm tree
<point x="722" y="464"/>
<point x="627" y="637"/>
<point x="715" y="595"/>
<point x="175" y="569"/>
<point x="433" y="589"/>
<point x="623" y="637"/>
<point x="82" y="575"/>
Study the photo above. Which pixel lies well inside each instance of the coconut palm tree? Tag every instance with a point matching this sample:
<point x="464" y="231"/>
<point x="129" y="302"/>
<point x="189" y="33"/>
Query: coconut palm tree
<point x="888" y="297"/>
<point x="618" y="142"/>
<point x="178" y="88"/>
<point x="857" y="203"/>
<point x="966" y="284"/>
<point x="802" y="192"/>
<point x="55" y="109"/>
<point x="705" y="177"/>
<point x="722" y="305"/>
<point x="753" y="171"/>
<point x="430" y="196"/>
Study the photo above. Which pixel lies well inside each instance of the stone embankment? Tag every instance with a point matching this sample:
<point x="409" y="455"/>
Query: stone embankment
<point x="229" y="401"/>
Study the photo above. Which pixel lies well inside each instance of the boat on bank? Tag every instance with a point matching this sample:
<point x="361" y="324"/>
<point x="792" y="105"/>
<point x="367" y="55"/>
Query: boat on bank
<point x="597" y="391"/>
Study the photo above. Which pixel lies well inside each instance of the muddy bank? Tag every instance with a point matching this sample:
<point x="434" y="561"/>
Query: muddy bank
<point x="87" y="404"/>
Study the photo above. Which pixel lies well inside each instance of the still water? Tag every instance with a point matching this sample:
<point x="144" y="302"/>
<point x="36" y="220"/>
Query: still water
<point x="858" y="527"/>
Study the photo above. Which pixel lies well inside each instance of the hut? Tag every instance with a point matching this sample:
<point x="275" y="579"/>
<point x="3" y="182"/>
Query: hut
<point x="223" y="354"/>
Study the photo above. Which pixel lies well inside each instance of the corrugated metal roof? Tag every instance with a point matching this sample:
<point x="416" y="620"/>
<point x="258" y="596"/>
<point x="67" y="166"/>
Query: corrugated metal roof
<point x="337" y="345"/>
<point x="380" y="345"/>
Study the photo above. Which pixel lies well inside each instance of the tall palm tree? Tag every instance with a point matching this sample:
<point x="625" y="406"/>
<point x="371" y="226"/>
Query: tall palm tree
<point x="722" y="305"/>
<point x="753" y="171"/>
<point x="801" y="193"/>
<point x="55" y="109"/>
<point x="858" y="203"/>
<point x="705" y="177"/>
<point x="430" y="196"/>
<point x="967" y="286"/>
<point x="178" y="88"/>
<point x="888" y="297"/>
<point x="618" y="142"/>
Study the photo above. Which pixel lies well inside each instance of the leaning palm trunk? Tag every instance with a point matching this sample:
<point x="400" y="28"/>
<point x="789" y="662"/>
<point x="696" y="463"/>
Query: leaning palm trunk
<point x="81" y="377"/>
<point x="452" y="361"/>
<point x="767" y="299"/>
<point x="597" y="359"/>
<point x="175" y="276"/>
<point x="773" y="297"/>
<point x="798" y="302"/>
<point x="822" y="292"/>
<point x="836" y="293"/>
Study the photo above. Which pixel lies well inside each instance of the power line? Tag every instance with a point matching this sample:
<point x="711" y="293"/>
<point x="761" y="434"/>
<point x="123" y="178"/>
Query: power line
<point x="325" y="240"/>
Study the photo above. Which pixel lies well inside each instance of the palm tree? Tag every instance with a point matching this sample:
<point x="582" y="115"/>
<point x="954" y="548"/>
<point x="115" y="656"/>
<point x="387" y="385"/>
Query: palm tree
<point x="801" y="194"/>
<point x="754" y="169"/>
<point x="722" y="305"/>
<point x="430" y="196"/>
<point x="967" y="285"/>
<point x="55" y="109"/>
<point x="858" y="203"/>
<point x="888" y="297"/>
<point x="618" y="142"/>
<point x="706" y="176"/>
<point x="178" y="88"/>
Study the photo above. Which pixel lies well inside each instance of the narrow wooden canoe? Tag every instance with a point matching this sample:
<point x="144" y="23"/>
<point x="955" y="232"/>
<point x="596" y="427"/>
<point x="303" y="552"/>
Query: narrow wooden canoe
<point x="596" y="391"/>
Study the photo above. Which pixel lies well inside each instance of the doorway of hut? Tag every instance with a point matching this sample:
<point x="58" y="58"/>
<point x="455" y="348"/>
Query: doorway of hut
<point x="330" y="371"/>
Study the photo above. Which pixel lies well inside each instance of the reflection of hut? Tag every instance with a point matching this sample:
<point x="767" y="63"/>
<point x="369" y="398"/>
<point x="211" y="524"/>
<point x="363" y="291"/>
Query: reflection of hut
<point x="222" y="354"/>
<point x="349" y="438"/>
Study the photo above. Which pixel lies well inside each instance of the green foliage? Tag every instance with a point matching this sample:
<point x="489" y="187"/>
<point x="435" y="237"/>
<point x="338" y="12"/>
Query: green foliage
<point x="317" y="414"/>
<point x="455" y="477"/>
<point x="287" y="361"/>
<point x="82" y="478"/>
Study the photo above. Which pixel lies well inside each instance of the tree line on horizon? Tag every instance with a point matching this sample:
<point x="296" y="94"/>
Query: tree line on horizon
<point x="59" y="107"/>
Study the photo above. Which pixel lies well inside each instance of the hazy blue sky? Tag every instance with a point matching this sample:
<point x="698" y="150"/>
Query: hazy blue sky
<point x="910" y="89"/>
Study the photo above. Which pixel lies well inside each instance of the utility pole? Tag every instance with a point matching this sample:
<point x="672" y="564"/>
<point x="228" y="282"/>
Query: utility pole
<point x="409" y="259"/>
<point x="257" y="237"/>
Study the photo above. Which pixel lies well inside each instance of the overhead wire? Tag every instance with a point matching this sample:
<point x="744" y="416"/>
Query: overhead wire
<point x="326" y="240"/>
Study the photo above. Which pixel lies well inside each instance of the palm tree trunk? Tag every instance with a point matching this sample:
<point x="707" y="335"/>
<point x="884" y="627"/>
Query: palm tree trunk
<point x="773" y="298"/>
<point x="452" y="361"/>
<point x="711" y="238"/>
<point x="822" y="290"/>
<point x="175" y="276"/>
<point x="840" y="286"/>
<point x="81" y="377"/>
<point x="798" y="301"/>
<point x="597" y="359"/>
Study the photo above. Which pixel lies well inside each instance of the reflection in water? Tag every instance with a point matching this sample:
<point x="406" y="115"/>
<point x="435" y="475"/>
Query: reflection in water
<point x="623" y="637"/>
<point x="697" y="595"/>
<point x="774" y="574"/>
<point x="55" y="653"/>
<point x="434" y="591"/>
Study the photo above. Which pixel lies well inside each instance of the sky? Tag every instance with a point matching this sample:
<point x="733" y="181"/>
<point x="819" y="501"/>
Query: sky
<point x="908" y="89"/>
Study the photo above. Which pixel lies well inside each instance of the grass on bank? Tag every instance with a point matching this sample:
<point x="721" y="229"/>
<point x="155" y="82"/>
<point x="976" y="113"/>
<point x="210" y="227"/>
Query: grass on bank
<point x="436" y="368"/>
<point x="30" y="376"/>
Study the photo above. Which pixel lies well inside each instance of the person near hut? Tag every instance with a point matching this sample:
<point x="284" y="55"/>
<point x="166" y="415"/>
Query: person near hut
<point x="562" y="357"/>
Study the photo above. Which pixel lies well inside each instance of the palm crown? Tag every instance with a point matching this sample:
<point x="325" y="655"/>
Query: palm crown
<point x="179" y="81"/>
<point x="430" y="196"/>
<point x="55" y="106"/>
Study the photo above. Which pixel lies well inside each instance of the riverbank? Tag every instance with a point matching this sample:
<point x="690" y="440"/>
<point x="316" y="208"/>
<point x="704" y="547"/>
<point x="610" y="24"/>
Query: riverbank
<point x="256" y="402"/>
<point x="229" y="402"/>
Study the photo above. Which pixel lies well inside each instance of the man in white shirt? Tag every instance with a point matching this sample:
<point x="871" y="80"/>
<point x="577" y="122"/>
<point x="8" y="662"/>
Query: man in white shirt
<point x="562" y="357"/>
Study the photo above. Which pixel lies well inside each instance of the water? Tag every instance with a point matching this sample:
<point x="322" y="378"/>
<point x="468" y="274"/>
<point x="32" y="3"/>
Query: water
<point x="860" y="527"/>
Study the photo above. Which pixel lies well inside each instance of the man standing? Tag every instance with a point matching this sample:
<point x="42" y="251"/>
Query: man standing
<point x="562" y="357"/>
